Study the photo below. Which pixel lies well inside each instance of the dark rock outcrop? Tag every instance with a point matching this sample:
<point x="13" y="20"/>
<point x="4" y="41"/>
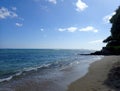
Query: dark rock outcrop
<point x="113" y="41"/>
<point x="113" y="80"/>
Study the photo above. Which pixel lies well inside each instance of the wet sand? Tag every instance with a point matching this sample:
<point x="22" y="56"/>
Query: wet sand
<point x="95" y="78"/>
<point x="55" y="80"/>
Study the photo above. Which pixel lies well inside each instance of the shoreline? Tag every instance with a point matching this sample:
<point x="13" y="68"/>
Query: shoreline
<point x="52" y="81"/>
<point x="96" y="76"/>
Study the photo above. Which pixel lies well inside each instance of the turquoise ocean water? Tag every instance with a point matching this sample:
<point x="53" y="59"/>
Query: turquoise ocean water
<point x="15" y="62"/>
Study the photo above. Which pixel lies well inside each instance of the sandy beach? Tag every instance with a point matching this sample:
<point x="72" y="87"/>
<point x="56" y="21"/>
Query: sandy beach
<point x="95" y="78"/>
<point x="70" y="79"/>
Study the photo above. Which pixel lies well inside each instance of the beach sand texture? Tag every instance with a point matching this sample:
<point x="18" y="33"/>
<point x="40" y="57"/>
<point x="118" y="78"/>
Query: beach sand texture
<point x="92" y="81"/>
<point x="95" y="78"/>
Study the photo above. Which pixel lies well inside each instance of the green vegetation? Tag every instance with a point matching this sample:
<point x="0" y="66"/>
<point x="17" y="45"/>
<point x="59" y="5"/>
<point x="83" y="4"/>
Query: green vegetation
<point x="113" y="41"/>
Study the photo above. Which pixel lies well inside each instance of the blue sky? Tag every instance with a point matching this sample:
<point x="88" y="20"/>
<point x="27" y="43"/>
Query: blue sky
<point x="62" y="24"/>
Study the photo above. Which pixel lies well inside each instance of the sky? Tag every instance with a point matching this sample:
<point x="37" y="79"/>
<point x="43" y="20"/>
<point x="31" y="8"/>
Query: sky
<point x="55" y="24"/>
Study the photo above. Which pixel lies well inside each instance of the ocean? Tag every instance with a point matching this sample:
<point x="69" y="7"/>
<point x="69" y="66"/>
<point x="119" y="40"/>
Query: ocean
<point x="42" y="66"/>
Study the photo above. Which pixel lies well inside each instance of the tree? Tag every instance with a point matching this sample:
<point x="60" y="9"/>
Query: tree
<point x="113" y="41"/>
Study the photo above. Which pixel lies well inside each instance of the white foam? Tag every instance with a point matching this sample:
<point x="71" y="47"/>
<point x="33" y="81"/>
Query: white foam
<point x="6" y="79"/>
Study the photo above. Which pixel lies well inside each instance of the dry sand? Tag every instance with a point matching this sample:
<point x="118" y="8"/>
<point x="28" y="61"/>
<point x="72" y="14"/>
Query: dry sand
<point x="94" y="79"/>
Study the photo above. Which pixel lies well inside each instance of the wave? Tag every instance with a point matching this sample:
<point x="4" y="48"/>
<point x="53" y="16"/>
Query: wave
<point x="58" y="64"/>
<point x="10" y="77"/>
<point x="25" y="70"/>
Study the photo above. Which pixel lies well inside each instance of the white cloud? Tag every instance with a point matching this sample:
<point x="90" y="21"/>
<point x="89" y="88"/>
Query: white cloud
<point x="19" y="24"/>
<point x="53" y="1"/>
<point x="4" y="13"/>
<point x="41" y="29"/>
<point x="80" y="5"/>
<point x="108" y="17"/>
<point x="73" y="29"/>
<point x="62" y="29"/>
<point x="69" y="29"/>
<point x="88" y="29"/>
<point x="96" y="41"/>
